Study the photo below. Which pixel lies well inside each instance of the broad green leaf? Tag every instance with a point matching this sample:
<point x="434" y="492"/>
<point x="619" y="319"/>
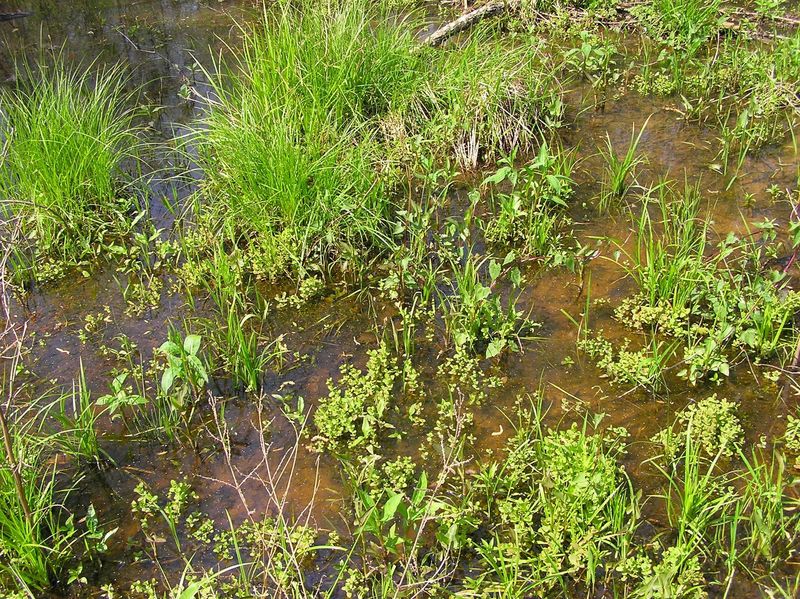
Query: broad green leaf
<point x="495" y="347"/>
<point x="191" y="344"/>
<point x="390" y="507"/>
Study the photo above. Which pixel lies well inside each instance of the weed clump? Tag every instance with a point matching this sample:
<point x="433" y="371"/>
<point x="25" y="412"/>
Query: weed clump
<point x="481" y="101"/>
<point x="558" y="499"/>
<point x="66" y="134"/>
<point x="716" y="300"/>
<point x="354" y="411"/>
<point x="529" y="203"/>
<point x="712" y="424"/>
<point x="643" y="367"/>
<point x="292" y="165"/>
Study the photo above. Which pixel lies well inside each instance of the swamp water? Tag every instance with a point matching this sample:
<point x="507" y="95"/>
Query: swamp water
<point x="162" y="44"/>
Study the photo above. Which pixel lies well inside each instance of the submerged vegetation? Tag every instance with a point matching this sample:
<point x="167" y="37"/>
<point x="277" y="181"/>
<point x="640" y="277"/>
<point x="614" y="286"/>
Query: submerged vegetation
<point x="509" y="310"/>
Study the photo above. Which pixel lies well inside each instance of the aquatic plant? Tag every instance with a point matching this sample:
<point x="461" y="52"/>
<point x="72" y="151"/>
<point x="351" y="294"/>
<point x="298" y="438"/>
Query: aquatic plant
<point x="184" y="373"/>
<point x="41" y="541"/>
<point x="713" y="303"/>
<point x="643" y="367"/>
<point x="561" y="499"/>
<point x="355" y="410"/>
<point x="475" y="317"/>
<point x="771" y="519"/>
<point x="713" y="425"/>
<point x="529" y="202"/>
<point x="78" y="418"/>
<point x="617" y="180"/>
<point x="67" y="134"/>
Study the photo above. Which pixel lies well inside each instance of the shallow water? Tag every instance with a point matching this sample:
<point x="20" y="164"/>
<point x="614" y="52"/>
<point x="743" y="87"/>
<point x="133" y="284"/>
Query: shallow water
<point x="163" y="43"/>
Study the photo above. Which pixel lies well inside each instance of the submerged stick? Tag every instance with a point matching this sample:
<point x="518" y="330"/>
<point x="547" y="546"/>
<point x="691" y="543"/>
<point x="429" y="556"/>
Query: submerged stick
<point x="465" y="21"/>
<point x="10" y="16"/>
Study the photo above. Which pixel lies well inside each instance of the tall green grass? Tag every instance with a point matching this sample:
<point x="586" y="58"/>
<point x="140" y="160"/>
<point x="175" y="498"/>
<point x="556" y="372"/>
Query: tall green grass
<point x="33" y="551"/>
<point x="65" y="134"/>
<point x="668" y="260"/>
<point x="619" y="171"/>
<point x="305" y="146"/>
<point x="285" y="148"/>
<point x="686" y="24"/>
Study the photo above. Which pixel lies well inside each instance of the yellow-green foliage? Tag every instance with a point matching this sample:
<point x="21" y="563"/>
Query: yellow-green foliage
<point x="355" y="408"/>
<point x="712" y="423"/>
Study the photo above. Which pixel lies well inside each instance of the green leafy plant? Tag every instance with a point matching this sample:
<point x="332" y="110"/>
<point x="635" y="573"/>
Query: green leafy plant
<point x="475" y="316"/>
<point x="355" y="409"/>
<point x="530" y="213"/>
<point x="184" y="374"/>
<point x="121" y="396"/>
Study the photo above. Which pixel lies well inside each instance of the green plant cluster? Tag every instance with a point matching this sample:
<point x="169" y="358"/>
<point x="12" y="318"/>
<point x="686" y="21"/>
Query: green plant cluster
<point x="530" y="215"/>
<point x="338" y="102"/>
<point x="717" y="300"/>
<point x="356" y="408"/>
<point x="712" y="424"/>
<point x="553" y="500"/>
<point x="65" y="136"/>
<point x="643" y="367"/>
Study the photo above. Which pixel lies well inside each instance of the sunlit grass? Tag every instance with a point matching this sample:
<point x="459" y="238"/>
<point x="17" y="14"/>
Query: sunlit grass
<point x="66" y="134"/>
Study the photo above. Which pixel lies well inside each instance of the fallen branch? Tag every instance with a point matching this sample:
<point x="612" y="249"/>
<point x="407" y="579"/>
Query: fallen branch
<point x="10" y="16"/>
<point x="465" y="21"/>
<point x="494" y="8"/>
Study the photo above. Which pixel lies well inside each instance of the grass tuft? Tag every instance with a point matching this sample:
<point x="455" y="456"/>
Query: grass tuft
<point x="66" y="134"/>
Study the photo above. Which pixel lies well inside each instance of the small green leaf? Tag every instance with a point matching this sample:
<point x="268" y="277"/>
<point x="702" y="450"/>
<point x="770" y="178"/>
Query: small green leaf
<point x="167" y="379"/>
<point x="494" y="269"/>
<point x="495" y="347"/>
<point x="191" y="344"/>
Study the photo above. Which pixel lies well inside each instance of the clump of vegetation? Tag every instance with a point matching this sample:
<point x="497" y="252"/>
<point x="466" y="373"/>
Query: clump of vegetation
<point x="475" y="316"/>
<point x="678" y="573"/>
<point x="557" y="505"/>
<point x="683" y="24"/>
<point x="338" y="102"/>
<point x="41" y="542"/>
<point x="290" y="160"/>
<point x="483" y="99"/>
<point x="712" y="424"/>
<point x="619" y="171"/>
<point x="354" y="412"/>
<point x="713" y="299"/>
<point x="643" y="367"/>
<point x="529" y="202"/>
<point x="66" y="135"/>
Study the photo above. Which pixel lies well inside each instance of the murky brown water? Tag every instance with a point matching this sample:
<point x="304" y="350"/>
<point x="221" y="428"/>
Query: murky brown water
<point x="163" y="41"/>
